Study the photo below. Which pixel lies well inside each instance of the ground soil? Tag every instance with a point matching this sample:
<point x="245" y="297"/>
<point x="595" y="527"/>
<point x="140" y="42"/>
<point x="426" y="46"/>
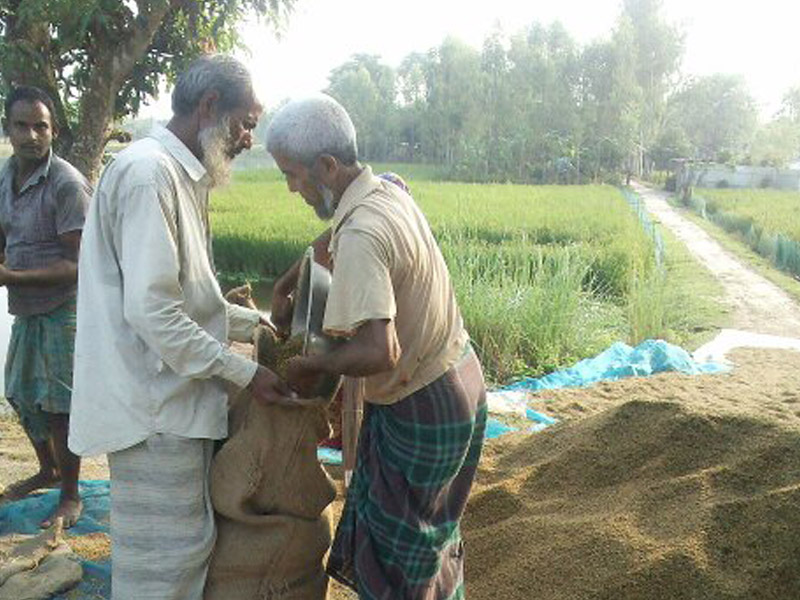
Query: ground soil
<point x="757" y="304"/>
<point x="669" y="487"/>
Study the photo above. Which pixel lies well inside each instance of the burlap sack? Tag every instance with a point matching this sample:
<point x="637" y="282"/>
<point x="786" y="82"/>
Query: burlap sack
<point x="37" y="567"/>
<point x="271" y="496"/>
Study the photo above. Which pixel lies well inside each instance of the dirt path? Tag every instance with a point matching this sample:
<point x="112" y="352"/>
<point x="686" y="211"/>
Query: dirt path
<point x="757" y="304"/>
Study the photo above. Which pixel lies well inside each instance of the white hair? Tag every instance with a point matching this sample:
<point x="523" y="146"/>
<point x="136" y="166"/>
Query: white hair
<point x="307" y="128"/>
<point x="228" y="76"/>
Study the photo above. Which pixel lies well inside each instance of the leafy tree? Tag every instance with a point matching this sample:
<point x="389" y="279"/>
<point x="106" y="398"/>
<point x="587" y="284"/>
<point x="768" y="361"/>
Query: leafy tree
<point x="657" y="49"/>
<point x="497" y="155"/>
<point x="717" y="115"/>
<point x="611" y="104"/>
<point x="453" y="84"/>
<point x="777" y="143"/>
<point x="791" y="104"/>
<point x="101" y="59"/>
<point x="412" y="97"/>
<point x="367" y="89"/>
<point x="672" y="143"/>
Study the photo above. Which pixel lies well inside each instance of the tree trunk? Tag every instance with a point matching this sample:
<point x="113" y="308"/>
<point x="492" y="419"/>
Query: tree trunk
<point x="96" y="114"/>
<point x="113" y="64"/>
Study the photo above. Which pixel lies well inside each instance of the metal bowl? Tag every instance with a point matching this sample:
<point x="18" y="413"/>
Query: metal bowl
<point x="310" y="296"/>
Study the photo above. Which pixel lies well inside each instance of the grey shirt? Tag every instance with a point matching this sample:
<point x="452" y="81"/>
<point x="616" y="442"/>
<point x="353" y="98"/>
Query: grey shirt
<point x="52" y="202"/>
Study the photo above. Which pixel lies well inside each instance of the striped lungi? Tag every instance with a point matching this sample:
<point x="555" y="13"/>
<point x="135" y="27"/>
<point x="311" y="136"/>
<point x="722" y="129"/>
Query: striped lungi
<point x="38" y="370"/>
<point x="162" y="521"/>
<point x="399" y="534"/>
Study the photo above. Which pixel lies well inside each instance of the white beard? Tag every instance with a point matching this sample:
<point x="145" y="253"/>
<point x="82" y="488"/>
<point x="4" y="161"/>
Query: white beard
<point x="214" y="144"/>
<point x="325" y="212"/>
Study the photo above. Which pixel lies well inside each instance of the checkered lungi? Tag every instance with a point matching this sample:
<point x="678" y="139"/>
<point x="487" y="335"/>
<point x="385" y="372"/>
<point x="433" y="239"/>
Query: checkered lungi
<point x="399" y="536"/>
<point x="38" y="372"/>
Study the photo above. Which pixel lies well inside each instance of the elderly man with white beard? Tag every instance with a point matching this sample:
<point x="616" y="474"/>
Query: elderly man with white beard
<point x="152" y="368"/>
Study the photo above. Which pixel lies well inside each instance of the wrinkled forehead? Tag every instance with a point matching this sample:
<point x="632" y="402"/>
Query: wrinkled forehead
<point x="289" y="166"/>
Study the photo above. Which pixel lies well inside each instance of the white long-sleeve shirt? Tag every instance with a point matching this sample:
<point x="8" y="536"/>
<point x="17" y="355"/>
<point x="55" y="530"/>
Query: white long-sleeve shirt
<point x="150" y="349"/>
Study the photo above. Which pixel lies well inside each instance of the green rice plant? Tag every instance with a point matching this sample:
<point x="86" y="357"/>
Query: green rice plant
<point x="766" y="220"/>
<point x="544" y="275"/>
<point x="259" y="228"/>
<point x="523" y="305"/>
<point x="647" y="306"/>
<point x="413" y="171"/>
<point x="776" y="211"/>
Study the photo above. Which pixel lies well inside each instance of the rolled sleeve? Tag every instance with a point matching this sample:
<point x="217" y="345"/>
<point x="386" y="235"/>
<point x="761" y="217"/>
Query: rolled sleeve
<point x="242" y="322"/>
<point x="361" y="287"/>
<point x="238" y="370"/>
<point x="153" y="302"/>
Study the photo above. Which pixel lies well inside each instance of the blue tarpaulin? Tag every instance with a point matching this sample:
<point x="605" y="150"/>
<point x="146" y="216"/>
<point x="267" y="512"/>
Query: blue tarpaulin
<point x="620" y="361"/>
<point x="329" y="456"/>
<point x="617" y="362"/>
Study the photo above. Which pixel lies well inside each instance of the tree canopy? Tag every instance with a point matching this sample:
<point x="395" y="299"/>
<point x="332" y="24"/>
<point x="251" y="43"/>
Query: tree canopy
<point x="534" y="106"/>
<point x="101" y="60"/>
<point x="530" y="106"/>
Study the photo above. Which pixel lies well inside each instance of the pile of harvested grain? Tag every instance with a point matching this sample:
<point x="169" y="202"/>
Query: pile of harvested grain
<point x="662" y="495"/>
<point x="91" y="546"/>
<point x="274" y="353"/>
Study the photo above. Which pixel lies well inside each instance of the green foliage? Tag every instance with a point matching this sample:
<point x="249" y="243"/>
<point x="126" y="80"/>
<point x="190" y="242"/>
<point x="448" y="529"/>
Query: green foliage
<point x="544" y="275"/>
<point x="766" y="220"/>
<point x="716" y="115"/>
<point x="777" y="143"/>
<point x="530" y="107"/>
<point x="74" y="50"/>
<point x="367" y="88"/>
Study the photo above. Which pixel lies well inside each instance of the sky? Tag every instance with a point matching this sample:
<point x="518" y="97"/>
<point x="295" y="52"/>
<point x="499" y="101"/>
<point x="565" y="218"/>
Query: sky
<point x="759" y="40"/>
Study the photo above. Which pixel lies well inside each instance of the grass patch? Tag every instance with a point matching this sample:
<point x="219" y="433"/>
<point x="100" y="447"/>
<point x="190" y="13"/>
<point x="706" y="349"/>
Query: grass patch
<point x="776" y="211"/>
<point x="544" y="275"/>
<point x="768" y="221"/>
<point x="739" y="248"/>
<point x="695" y="310"/>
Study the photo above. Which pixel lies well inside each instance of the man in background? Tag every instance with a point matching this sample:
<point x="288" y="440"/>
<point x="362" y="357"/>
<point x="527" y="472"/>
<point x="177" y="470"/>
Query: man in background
<point x="43" y="201"/>
<point x="152" y="366"/>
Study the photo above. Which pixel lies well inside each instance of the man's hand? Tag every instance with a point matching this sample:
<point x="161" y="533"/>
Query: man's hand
<point x="265" y="322"/>
<point x="303" y="377"/>
<point x="61" y="272"/>
<point x="281" y="311"/>
<point x="268" y="388"/>
<point x="242" y="295"/>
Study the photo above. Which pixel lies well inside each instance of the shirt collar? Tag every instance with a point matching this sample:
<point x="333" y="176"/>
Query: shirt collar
<point x="359" y="189"/>
<point x="179" y="152"/>
<point x="39" y="175"/>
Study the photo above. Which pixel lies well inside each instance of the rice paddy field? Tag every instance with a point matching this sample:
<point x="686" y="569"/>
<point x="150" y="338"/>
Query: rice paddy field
<point x="777" y="211"/>
<point x="545" y="275"/>
<point x="767" y="220"/>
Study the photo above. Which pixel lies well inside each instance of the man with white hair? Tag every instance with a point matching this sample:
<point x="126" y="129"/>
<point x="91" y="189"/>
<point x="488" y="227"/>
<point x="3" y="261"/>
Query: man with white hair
<point x="392" y="300"/>
<point x="151" y="362"/>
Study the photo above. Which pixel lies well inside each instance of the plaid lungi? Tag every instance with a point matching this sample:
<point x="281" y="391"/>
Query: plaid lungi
<point x="162" y="521"/>
<point x="38" y="371"/>
<point x="399" y="533"/>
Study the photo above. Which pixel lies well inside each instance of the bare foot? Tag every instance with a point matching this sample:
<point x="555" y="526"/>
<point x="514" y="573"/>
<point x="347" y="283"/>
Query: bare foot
<point x="20" y="489"/>
<point x="69" y="509"/>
